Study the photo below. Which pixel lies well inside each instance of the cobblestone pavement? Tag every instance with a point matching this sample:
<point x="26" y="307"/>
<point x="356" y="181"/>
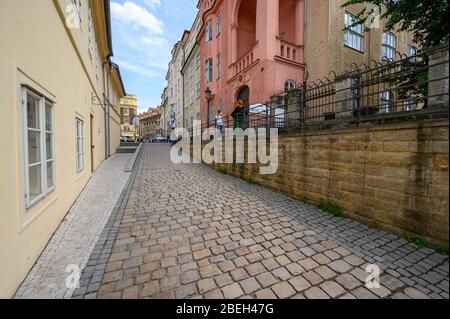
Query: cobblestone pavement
<point x="190" y="232"/>
<point x="78" y="233"/>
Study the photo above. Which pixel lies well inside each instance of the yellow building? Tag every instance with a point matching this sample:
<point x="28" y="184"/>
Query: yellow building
<point x="191" y="76"/>
<point x="329" y="48"/>
<point x="129" y="117"/>
<point x="54" y="68"/>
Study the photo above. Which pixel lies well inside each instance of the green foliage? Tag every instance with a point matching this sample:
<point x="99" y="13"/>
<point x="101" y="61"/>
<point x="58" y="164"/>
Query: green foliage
<point x="251" y="182"/>
<point x="442" y="250"/>
<point x="223" y="171"/>
<point x="418" y="241"/>
<point x="330" y="208"/>
<point x="426" y="19"/>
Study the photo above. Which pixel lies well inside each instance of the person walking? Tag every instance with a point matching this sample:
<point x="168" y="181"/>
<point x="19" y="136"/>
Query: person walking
<point x="238" y="115"/>
<point x="219" y="122"/>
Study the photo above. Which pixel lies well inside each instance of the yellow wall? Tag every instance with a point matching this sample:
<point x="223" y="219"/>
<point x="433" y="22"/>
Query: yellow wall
<point x="39" y="51"/>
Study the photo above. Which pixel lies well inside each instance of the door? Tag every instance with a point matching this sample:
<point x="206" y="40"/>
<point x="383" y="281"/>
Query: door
<point x="92" y="142"/>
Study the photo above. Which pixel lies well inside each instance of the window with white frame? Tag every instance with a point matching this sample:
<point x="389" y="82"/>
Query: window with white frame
<point x="388" y="49"/>
<point x="77" y="4"/>
<point x="386" y="100"/>
<point x="412" y="51"/>
<point x="218" y="67"/>
<point x="197" y="61"/>
<point x="209" y="31"/>
<point x="209" y="70"/>
<point x="39" y="147"/>
<point x="353" y="36"/>
<point x="289" y="85"/>
<point x="79" y="128"/>
<point x="218" y="24"/>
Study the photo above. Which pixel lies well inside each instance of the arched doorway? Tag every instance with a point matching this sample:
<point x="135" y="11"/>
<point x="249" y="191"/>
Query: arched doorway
<point x="244" y="95"/>
<point x="246" y="33"/>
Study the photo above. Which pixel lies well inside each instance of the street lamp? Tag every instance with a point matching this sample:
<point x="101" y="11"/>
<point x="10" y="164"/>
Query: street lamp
<point x="208" y="97"/>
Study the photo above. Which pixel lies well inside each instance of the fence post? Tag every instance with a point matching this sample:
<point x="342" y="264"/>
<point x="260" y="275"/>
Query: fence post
<point x="303" y="106"/>
<point x="267" y="120"/>
<point x="344" y="97"/>
<point x="438" y="77"/>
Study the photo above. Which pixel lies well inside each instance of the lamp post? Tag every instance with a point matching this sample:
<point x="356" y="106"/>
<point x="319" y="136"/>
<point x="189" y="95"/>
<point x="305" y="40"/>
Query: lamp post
<point x="208" y="97"/>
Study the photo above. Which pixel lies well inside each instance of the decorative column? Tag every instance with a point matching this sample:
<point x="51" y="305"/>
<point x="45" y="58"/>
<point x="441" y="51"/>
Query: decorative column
<point x="299" y="22"/>
<point x="234" y="42"/>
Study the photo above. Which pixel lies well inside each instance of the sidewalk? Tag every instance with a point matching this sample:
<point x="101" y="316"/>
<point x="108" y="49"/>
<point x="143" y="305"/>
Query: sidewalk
<point x="75" y="238"/>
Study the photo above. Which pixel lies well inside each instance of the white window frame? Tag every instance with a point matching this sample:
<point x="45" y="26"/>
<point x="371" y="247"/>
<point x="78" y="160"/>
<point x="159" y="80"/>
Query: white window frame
<point x="389" y="46"/>
<point x="209" y="31"/>
<point x="412" y="51"/>
<point x="79" y="142"/>
<point x="218" y="67"/>
<point x="386" y="102"/>
<point x="289" y="85"/>
<point x="209" y="70"/>
<point x="42" y="130"/>
<point x="354" y="35"/>
<point x="219" y="24"/>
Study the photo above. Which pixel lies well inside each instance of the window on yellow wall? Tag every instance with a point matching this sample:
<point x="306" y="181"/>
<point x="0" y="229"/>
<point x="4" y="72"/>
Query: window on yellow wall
<point x="39" y="147"/>
<point x="79" y="128"/>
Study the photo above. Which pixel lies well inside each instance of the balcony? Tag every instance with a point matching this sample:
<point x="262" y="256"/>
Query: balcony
<point x="289" y="51"/>
<point x="247" y="60"/>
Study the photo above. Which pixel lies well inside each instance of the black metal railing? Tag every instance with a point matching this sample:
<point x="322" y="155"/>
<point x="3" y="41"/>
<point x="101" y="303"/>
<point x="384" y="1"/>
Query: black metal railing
<point x="409" y="87"/>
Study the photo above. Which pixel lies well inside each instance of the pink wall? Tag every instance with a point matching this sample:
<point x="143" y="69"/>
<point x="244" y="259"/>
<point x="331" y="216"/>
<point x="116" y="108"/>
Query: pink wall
<point x="263" y="70"/>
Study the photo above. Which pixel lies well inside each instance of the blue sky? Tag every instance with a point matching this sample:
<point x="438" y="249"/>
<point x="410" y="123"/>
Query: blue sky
<point x="144" y="32"/>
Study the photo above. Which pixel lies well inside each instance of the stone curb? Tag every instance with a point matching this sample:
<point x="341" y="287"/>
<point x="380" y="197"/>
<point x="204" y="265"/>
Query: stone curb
<point x="131" y="163"/>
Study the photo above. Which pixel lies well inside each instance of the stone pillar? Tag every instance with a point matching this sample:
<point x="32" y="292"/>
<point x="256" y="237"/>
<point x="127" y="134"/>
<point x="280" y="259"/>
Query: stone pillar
<point x="344" y="97"/>
<point x="267" y="27"/>
<point x="299" y="22"/>
<point x="438" y="77"/>
<point x="234" y="43"/>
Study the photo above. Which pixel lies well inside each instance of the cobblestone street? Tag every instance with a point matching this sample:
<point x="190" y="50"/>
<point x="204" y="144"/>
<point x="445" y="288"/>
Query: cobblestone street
<point x="190" y="232"/>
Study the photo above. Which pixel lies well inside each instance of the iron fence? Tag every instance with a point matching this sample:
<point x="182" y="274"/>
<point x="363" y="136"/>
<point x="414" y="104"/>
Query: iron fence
<point x="409" y="87"/>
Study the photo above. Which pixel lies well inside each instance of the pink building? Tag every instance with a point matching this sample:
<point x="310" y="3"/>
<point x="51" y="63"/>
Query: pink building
<point x="249" y="50"/>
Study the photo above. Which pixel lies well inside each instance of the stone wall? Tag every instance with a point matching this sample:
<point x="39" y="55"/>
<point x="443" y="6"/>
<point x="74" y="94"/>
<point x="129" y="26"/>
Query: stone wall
<point x="392" y="176"/>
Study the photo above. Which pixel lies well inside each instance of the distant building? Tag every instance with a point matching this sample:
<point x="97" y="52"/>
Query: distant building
<point x="150" y="124"/>
<point x="191" y="72"/>
<point x="129" y="117"/>
<point x="175" y="84"/>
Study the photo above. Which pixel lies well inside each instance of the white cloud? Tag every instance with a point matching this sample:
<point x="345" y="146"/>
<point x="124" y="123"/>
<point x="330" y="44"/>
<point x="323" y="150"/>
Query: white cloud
<point x="153" y="41"/>
<point x="131" y="13"/>
<point x="153" y="3"/>
<point x="136" y="68"/>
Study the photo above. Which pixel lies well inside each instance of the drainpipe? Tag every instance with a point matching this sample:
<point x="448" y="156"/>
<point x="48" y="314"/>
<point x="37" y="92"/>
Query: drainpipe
<point x="108" y="132"/>
<point x="105" y="107"/>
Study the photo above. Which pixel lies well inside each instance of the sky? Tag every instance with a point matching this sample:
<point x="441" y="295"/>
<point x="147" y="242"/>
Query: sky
<point x="144" y="33"/>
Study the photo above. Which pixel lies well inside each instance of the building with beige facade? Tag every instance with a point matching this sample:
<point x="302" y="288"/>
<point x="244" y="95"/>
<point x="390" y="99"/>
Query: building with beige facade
<point x="164" y="120"/>
<point x="191" y="76"/>
<point x="329" y="48"/>
<point x="150" y="124"/>
<point x="129" y="117"/>
<point x="175" y="84"/>
<point x="60" y="95"/>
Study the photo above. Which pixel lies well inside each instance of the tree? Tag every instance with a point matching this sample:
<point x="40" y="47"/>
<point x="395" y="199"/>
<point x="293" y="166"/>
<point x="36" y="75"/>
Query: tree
<point x="427" y="20"/>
